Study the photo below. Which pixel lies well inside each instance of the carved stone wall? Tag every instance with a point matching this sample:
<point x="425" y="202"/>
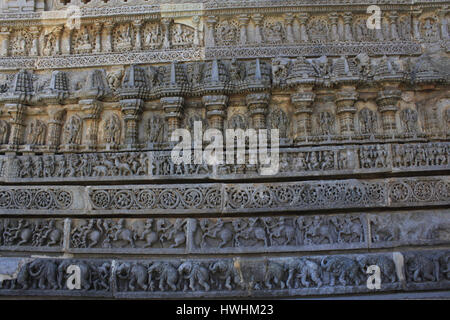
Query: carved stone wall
<point x="88" y="102"/>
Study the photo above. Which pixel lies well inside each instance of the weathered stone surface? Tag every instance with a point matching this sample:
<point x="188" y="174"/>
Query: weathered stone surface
<point x="88" y="103"/>
<point x="225" y="277"/>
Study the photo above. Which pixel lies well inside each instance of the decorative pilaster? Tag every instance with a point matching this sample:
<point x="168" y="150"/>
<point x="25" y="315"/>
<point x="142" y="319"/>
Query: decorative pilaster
<point x="138" y="28"/>
<point x="443" y="21"/>
<point x="56" y="114"/>
<point x="303" y="19"/>
<point x="416" y="32"/>
<point x="345" y="101"/>
<point x="92" y="109"/>
<point x="257" y="20"/>
<point x="379" y="32"/>
<point x="243" y="24"/>
<point x="334" y="26"/>
<point x="69" y="45"/>
<point x="196" y="22"/>
<point x="216" y="110"/>
<point x="210" y="23"/>
<point x="131" y="111"/>
<point x="393" y="18"/>
<point x="98" y="37"/>
<point x="34" y="50"/>
<point x="387" y="106"/>
<point x="348" y="17"/>
<point x="4" y="35"/>
<point x="58" y="34"/>
<point x="210" y="39"/>
<point x="166" y="30"/>
<point x="173" y="107"/>
<point x="303" y="100"/>
<point x="257" y="104"/>
<point x="108" y="29"/>
<point x="288" y="21"/>
<point x="17" y="114"/>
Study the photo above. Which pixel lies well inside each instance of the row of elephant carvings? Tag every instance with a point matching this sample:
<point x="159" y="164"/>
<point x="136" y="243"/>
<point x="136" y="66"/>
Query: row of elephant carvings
<point x="148" y="35"/>
<point x="412" y="155"/>
<point x="227" y="274"/>
<point x="256" y="232"/>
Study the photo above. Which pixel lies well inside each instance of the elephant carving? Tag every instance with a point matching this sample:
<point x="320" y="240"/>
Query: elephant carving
<point x="274" y="273"/>
<point x="225" y="273"/>
<point x="305" y="270"/>
<point x="420" y="268"/>
<point x="137" y="275"/>
<point x="195" y="273"/>
<point x="45" y="272"/>
<point x="387" y="266"/>
<point x="166" y="274"/>
<point x="23" y="277"/>
<point x="85" y="273"/>
<point x="343" y="268"/>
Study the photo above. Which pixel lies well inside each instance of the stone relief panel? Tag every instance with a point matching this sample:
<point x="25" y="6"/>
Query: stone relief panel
<point x="278" y="233"/>
<point x="310" y="195"/>
<point x="83" y="40"/>
<point x="152" y="235"/>
<point x="21" y="43"/>
<point x="417" y="191"/>
<point x="227" y="32"/>
<point x="287" y="276"/>
<point x="123" y="37"/>
<point x="153" y="37"/>
<point x="274" y="31"/>
<point x="99" y="102"/>
<point x="230" y="198"/>
<point x="406" y="228"/>
<point x="49" y="276"/>
<point x="224" y="235"/>
<point x="80" y="165"/>
<point x="181" y="36"/>
<point x="427" y="155"/>
<point x="236" y="30"/>
<point x="35" y="198"/>
<point x="31" y="234"/>
<point x="202" y="198"/>
<point x="318" y="30"/>
<point x="350" y="160"/>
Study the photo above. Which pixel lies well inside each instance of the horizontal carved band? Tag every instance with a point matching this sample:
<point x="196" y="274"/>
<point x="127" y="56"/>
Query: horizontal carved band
<point x="288" y="276"/>
<point x="227" y="198"/>
<point x="293" y="162"/>
<point x="226" y="235"/>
